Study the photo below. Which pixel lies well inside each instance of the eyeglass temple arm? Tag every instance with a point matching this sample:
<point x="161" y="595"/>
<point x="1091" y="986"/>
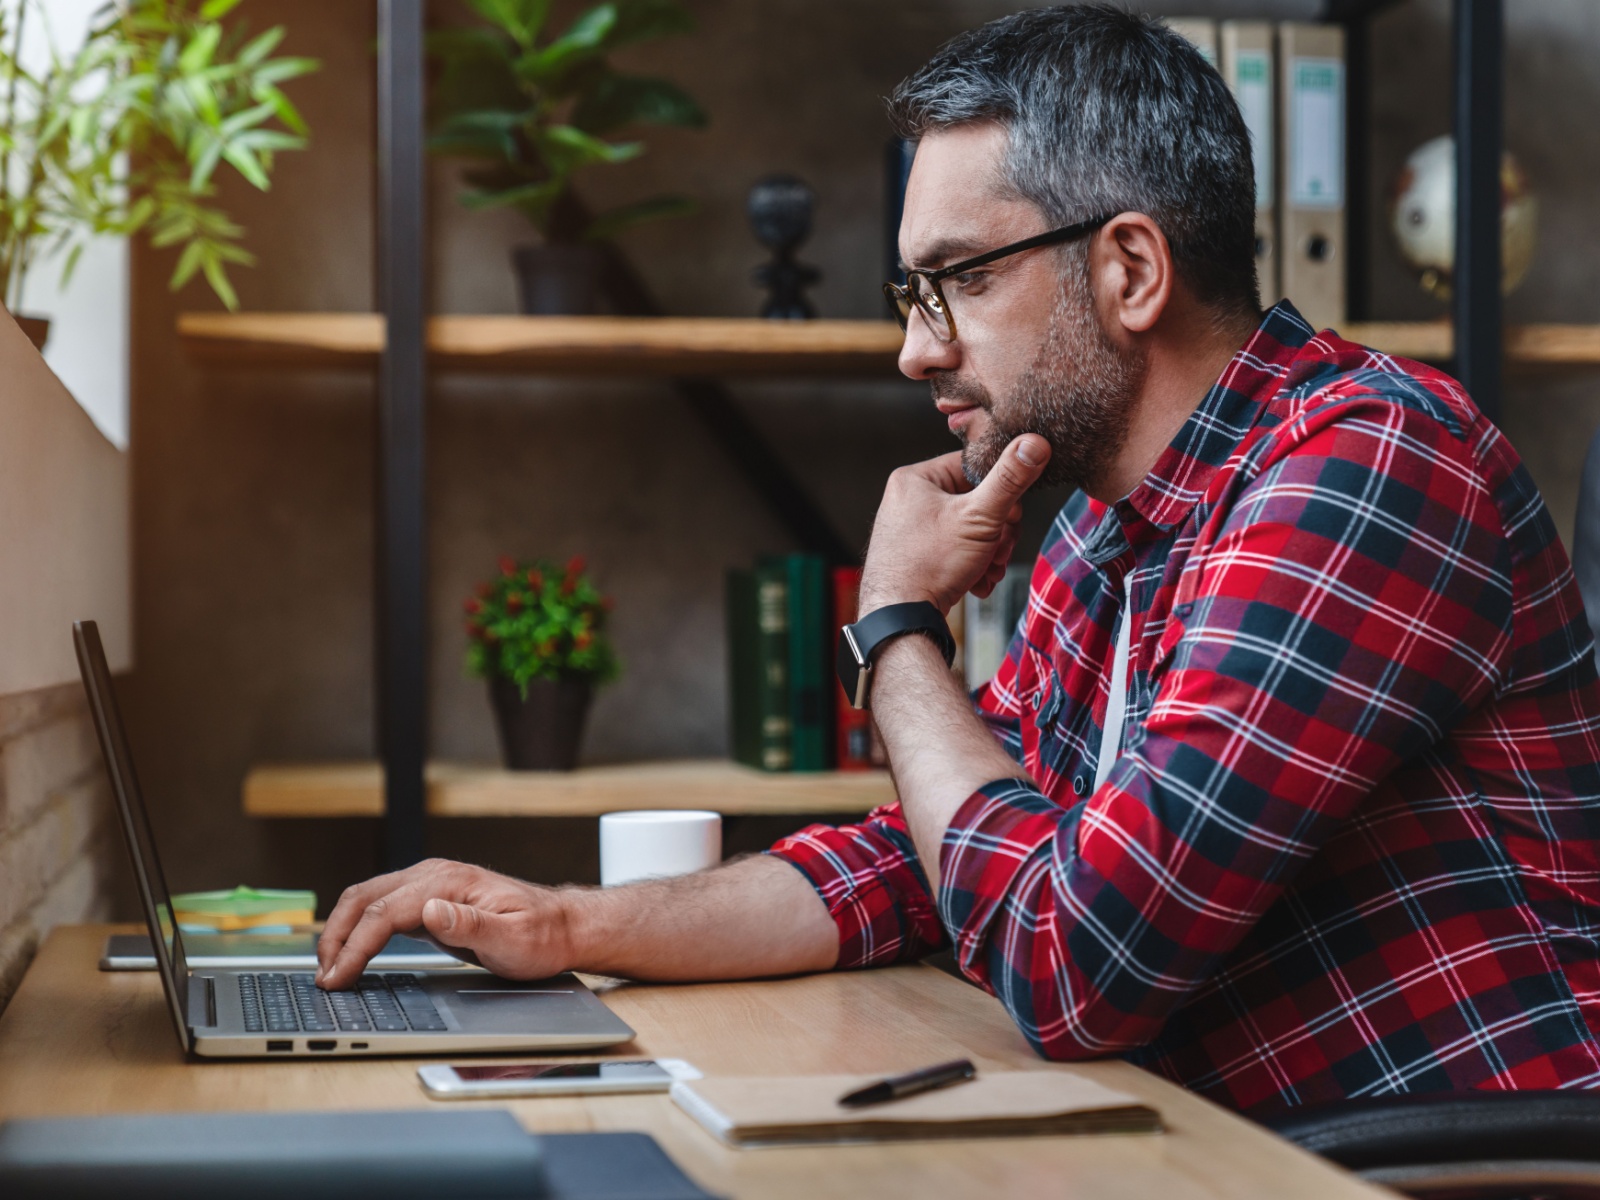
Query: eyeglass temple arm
<point x="1064" y="234"/>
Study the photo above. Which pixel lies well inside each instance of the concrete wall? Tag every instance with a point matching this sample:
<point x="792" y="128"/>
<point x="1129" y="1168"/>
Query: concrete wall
<point x="253" y="515"/>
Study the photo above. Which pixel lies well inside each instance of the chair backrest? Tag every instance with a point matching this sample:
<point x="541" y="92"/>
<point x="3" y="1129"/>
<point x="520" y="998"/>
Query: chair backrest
<point x="1475" y="1146"/>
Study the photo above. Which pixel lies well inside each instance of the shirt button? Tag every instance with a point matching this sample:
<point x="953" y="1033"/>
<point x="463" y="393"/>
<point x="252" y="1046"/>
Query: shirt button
<point x="1080" y="784"/>
<point x="1036" y="700"/>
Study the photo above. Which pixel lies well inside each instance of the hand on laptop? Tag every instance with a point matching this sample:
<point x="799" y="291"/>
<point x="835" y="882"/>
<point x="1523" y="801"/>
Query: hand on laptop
<point x="517" y="930"/>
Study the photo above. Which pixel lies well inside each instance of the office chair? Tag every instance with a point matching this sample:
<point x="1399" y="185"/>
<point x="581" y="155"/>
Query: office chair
<point x="1474" y="1146"/>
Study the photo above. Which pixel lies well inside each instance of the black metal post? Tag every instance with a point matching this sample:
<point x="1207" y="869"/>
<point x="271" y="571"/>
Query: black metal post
<point x="401" y="516"/>
<point x="1479" y="130"/>
<point x="1358" y="167"/>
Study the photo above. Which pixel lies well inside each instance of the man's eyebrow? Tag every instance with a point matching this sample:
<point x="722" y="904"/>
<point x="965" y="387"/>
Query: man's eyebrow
<point x="946" y="250"/>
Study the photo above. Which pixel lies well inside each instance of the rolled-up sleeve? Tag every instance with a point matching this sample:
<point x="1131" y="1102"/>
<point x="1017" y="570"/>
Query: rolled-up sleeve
<point x="875" y="888"/>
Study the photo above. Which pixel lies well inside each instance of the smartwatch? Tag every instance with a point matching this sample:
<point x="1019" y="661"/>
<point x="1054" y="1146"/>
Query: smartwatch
<point x="860" y="643"/>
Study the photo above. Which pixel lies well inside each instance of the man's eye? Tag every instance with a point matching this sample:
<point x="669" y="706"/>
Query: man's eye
<point x="967" y="280"/>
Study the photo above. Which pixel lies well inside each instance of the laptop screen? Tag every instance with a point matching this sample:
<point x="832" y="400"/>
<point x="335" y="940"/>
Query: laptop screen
<point x="147" y="874"/>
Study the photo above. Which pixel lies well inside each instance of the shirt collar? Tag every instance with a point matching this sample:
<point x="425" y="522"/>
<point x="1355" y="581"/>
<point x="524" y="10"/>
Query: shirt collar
<point x="1165" y="497"/>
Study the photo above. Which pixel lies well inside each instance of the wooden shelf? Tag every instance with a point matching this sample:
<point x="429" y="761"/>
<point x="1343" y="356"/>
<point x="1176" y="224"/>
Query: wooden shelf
<point x="455" y="790"/>
<point x="1541" y="346"/>
<point x="680" y="346"/>
<point x="666" y="346"/>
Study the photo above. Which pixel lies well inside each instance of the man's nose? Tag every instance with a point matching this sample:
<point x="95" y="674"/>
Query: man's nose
<point x="924" y="352"/>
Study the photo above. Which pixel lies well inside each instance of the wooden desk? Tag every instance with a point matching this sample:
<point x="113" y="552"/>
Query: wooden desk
<point x="77" y="1041"/>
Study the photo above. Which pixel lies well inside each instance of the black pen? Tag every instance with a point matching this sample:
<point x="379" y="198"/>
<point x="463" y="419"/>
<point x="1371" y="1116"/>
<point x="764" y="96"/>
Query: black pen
<point x="898" y="1086"/>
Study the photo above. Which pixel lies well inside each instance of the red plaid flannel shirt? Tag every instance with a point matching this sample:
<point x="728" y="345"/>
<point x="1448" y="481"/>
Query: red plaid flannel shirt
<point x="1349" y="846"/>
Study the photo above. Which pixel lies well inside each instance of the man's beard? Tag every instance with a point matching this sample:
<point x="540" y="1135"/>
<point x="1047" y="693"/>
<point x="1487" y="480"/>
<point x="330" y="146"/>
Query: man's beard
<point x="1078" y="395"/>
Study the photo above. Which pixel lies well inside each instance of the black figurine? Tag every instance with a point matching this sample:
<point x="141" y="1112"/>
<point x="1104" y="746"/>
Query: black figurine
<point x="779" y="208"/>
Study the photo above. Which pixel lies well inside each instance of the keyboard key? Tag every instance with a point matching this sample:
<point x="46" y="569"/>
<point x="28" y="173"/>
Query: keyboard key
<point x="349" y="1011"/>
<point x="414" y="1002"/>
<point x="387" y="1015"/>
<point x="277" y="1004"/>
<point x="250" y="1002"/>
<point x="311" y="1004"/>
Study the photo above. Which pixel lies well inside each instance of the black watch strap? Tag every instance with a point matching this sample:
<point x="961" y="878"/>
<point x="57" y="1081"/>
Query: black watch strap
<point x="859" y="643"/>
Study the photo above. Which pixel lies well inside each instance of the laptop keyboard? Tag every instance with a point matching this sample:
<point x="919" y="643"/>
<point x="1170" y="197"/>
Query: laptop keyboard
<point x="289" y="1002"/>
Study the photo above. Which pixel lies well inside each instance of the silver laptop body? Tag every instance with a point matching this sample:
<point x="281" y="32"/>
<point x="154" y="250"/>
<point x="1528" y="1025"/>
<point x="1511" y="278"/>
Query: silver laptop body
<point x="233" y="1013"/>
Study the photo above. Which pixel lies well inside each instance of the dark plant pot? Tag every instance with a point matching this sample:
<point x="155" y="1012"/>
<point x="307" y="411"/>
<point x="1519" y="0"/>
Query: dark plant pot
<point x="37" y="329"/>
<point x="541" y="733"/>
<point x="554" y="281"/>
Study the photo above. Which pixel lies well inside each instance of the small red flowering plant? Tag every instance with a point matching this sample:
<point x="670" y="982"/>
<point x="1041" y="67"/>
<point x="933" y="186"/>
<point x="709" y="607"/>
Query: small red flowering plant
<point x="537" y="620"/>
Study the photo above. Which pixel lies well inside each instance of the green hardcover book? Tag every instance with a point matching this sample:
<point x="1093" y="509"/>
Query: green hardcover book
<point x="809" y="694"/>
<point x="744" y="667"/>
<point x="772" y="699"/>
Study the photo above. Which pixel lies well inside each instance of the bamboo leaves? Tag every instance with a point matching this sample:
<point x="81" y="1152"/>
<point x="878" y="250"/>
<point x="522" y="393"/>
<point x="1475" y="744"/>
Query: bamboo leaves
<point x="127" y="135"/>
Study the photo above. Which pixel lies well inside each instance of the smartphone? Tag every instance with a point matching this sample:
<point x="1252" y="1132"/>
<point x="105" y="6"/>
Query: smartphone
<point x="458" y="1081"/>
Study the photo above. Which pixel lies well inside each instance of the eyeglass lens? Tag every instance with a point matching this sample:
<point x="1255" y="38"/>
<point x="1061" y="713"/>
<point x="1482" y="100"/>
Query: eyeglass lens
<point x="919" y="293"/>
<point x="931" y="301"/>
<point x="899" y="303"/>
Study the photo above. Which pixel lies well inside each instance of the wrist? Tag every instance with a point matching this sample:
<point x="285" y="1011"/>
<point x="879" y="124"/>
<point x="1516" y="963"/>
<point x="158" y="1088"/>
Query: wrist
<point x="876" y="595"/>
<point x="913" y="646"/>
<point x="574" y="928"/>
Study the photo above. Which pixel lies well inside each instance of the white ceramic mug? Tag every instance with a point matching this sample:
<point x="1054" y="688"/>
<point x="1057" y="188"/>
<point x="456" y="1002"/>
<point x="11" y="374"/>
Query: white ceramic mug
<point x="650" y="845"/>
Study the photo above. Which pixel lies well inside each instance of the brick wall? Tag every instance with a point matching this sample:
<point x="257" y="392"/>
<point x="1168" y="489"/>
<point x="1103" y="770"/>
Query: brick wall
<point x="57" y="842"/>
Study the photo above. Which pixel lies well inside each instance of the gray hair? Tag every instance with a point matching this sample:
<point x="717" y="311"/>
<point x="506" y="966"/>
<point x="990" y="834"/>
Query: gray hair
<point x="1107" y="112"/>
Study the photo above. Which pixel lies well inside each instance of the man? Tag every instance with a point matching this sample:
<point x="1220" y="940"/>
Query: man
<point x="1288" y="787"/>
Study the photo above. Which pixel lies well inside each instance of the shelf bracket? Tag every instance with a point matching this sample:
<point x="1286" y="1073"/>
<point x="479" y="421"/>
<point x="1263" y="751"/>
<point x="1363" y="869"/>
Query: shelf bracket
<point x="734" y="432"/>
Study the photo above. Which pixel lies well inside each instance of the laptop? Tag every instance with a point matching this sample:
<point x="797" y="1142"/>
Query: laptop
<point x="235" y="1013"/>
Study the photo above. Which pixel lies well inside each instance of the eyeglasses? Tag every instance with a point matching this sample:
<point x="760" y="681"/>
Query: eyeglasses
<point x="922" y="290"/>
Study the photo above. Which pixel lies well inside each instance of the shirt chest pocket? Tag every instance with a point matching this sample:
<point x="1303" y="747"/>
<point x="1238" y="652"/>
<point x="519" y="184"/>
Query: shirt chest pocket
<point x="1040" y="693"/>
<point x="1174" y="625"/>
<point x="1056" y="732"/>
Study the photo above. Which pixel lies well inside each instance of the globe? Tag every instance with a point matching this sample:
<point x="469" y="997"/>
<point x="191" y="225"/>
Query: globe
<point x="1422" y="215"/>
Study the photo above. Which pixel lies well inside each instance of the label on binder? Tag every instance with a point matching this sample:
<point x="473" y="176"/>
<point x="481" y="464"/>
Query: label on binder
<point x="1316" y="138"/>
<point x="1253" y="90"/>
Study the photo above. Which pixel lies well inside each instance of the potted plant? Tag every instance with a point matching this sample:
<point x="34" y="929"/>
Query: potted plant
<point x="537" y="634"/>
<point x="534" y="111"/>
<point x="126" y="135"/>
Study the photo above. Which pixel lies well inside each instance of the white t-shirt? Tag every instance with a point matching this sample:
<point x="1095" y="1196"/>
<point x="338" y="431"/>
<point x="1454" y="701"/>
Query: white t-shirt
<point x="1117" y="706"/>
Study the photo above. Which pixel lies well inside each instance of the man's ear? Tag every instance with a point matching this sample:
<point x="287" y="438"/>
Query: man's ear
<point x="1132" y="267"/>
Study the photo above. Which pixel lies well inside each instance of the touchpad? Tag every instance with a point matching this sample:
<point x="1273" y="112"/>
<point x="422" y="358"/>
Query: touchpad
<point x="514" y="1010"/>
